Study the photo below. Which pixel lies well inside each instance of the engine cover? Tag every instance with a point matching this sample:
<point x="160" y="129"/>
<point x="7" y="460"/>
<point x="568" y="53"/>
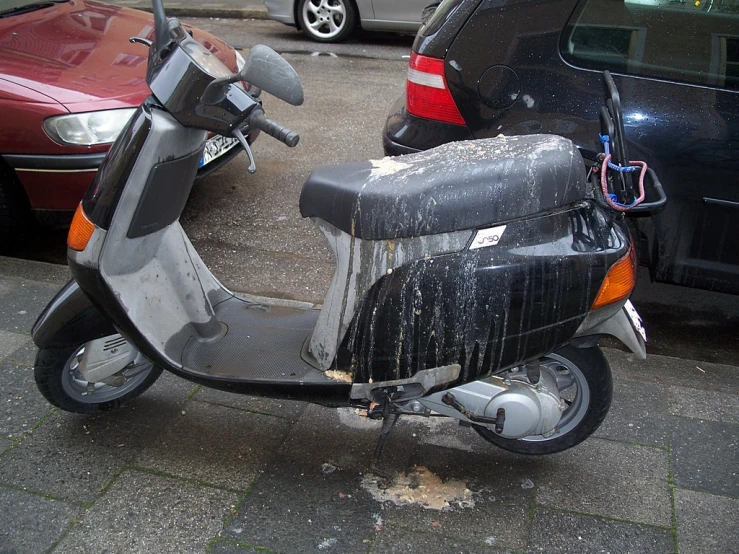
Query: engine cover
<point x="529" y="409"/>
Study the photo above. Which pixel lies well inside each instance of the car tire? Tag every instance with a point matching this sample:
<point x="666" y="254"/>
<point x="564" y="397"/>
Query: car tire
<point x="327" y="20"/>
<point x="57" y="380"/>
<point x="15" y="212"/>
<point x="591" y="379"/>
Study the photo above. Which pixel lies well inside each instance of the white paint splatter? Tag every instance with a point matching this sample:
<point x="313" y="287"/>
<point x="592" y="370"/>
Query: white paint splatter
<point x="387" y="166"/>
<point x="326" y="543"/>
<point x="420" y="486"/>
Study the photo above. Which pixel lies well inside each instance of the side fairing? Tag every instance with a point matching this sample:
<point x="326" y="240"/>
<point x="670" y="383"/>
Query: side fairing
<point x="489" y="308"/>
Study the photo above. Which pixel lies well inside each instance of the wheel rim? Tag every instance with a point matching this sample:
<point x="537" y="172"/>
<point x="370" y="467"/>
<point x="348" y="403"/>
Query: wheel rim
<point x="95" y="393"/>
<point x="573" y="388"/>
<point x="324" y="18"/>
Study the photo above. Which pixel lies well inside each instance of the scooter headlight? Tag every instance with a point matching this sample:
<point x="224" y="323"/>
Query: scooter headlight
<point x="88" y="129"/>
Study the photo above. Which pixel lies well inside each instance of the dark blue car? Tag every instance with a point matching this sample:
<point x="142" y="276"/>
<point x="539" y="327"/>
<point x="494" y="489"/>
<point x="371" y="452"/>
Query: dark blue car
<point x="480" y="68"/>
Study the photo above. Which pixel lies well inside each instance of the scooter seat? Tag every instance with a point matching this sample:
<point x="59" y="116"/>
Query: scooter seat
<point x="456" y="186"/>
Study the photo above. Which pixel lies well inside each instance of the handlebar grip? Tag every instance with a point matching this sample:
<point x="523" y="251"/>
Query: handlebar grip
<point x="283" y="134"/>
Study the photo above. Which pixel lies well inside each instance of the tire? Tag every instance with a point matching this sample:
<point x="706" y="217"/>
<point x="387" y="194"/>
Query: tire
<point x="587" y="387"/>
<point x="327" y="20"/>
<point x="61" y="384"/>
<point x="15" y="212"/>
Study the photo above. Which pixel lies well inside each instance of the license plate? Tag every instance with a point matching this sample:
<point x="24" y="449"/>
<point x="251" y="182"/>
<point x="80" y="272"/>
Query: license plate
<point x="216" y="147"/>
<point x="635" y="319"/>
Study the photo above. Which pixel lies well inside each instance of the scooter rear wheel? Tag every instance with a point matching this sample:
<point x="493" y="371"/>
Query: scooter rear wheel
<point x="59" y="380"/>
<point x="586" y="386"/>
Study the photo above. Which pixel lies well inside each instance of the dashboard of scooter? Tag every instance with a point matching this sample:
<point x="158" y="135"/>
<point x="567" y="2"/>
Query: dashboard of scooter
<point x="178" y="75"/>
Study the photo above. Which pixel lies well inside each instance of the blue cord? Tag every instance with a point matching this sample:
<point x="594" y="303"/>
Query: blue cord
<point x="605" y="139"/>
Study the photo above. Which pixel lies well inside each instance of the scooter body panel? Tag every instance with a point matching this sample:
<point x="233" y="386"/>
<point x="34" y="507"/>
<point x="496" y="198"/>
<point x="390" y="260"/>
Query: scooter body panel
<point x="491" y="308"/>
<point x="70" y="319"/>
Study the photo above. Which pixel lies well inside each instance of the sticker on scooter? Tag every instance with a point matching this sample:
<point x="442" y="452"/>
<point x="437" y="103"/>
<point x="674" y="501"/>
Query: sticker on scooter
<point x="635" y="319"/>
<point x="488" y="237"/>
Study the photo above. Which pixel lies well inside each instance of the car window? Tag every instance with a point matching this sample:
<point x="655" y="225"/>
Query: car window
<point x="694" y="41"/>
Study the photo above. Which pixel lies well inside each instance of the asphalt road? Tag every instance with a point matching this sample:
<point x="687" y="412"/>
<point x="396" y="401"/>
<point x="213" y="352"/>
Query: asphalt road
<point x="248" y="227"/>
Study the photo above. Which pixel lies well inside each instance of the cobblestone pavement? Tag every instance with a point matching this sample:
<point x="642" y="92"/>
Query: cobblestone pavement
<point x="186" y="469"/>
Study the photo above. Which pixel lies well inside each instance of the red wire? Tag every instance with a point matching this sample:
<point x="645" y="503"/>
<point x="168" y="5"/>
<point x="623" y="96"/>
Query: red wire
<point x="604" y="185"/>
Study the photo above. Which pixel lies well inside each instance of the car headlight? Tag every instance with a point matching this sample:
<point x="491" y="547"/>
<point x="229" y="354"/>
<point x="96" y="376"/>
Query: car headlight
<point x="88" y="129"/>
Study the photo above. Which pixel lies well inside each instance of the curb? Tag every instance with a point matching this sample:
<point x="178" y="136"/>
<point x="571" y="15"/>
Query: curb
<point x="209" y="12"/>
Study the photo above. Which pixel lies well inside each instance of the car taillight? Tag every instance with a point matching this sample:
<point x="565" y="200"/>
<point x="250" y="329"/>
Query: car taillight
<point x="619" y="281"/>
<point x="426" y="91"/>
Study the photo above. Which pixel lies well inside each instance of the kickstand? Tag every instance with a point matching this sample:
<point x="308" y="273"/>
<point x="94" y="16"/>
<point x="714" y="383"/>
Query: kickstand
<point x="387" y="425"/>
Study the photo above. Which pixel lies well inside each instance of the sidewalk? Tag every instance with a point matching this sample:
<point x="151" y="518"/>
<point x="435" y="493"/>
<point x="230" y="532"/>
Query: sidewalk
<point x="238" y="9"/>
<point x="186" y="469"/>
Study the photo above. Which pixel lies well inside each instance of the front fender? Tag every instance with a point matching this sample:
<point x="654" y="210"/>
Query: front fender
<point x="70" y="319"/>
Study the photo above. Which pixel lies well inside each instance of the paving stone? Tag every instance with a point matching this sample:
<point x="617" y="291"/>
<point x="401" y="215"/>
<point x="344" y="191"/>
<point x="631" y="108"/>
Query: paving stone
<point x="61" y="458"/>
<point x="610" y="479"/>
<point x="25" y="354"/>
<point x="73" y="456"/>
<point x="11" y="342"/>
<point x="287" y="409"/>
<point x="143" y="513"/>
<point x="13" y="269"/>
<point x="402" y="541"/>
<point x="704" y="456"/>
<point x="33" y="523"/>
<point x="706" y="524"/>
<point x="703" y="404"/>
<point x="22" y="304"/>
<point x="214" y="444"/>
<point x="300" y="506"/>
<point x="21" y="404"/>
<point x="638" y="413"/>
<point x="502" y="486"/>
<point x="560" y="532"/>
<point x="225" y="546"/>
<point x="667" y="370"/>
<point x="347" y="440"/>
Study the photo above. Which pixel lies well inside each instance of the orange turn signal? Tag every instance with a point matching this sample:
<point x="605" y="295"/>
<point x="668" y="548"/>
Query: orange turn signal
<point x="619" y="281"/>
<point x="80" y="231"/>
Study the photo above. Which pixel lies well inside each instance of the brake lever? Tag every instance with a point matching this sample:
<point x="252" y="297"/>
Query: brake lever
<point x="240" y="137"/>
<point x="139" y="40"/>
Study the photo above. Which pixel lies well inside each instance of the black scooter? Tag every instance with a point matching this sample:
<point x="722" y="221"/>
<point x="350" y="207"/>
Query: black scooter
<point x="472" y="280"/>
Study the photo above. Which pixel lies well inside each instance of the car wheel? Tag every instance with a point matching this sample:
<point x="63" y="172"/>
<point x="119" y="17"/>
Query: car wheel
<point x="584" y="382"/>
<point x="327" y="20"/>
<point x="59" y="380"/>
<point x="15" y="212"/>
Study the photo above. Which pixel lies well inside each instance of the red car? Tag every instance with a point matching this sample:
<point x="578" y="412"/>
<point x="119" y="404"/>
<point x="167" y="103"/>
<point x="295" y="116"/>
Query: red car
<point x="69" y="81"/>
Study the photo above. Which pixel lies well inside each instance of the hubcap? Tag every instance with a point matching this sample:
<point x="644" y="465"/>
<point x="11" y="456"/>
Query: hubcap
<point x="573" y="389"/>
<point x="94" y="393"/>
<point x="325" y="18"/>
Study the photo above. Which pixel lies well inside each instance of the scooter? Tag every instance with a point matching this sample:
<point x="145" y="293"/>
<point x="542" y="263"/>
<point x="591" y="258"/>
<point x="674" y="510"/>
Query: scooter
<point x="472" y="281"/>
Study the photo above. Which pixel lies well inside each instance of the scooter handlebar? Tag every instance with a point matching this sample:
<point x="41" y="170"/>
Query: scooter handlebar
<point x="283" y="134"/>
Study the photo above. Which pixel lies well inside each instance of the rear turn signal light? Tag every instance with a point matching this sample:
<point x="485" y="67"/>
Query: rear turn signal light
<point x="619" y="281"/>
<point x="426" y="92"/>
<point x="80" y="230"/>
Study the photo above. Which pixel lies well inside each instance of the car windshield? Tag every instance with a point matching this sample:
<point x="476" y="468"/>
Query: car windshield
<point x="11" y="7"/>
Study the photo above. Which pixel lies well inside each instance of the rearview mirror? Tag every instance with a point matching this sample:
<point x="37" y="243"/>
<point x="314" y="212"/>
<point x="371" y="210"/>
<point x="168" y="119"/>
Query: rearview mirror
<point x="267" y="70"/>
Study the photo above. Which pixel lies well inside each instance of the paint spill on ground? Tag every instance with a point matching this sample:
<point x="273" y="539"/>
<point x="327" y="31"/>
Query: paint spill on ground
<point x="422" y="487"/>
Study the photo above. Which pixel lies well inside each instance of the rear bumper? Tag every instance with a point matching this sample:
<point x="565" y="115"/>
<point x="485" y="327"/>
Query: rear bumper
<point x="405" y="133"/>
<point x="280" y="10"/>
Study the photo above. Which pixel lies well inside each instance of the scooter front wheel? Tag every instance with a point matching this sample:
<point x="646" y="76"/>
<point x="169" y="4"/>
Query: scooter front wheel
<point x="59" y="380"/>
<point x="584" y="382"/>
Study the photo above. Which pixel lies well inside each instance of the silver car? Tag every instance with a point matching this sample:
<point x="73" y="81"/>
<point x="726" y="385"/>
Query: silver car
<point x="334" y="20"/>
